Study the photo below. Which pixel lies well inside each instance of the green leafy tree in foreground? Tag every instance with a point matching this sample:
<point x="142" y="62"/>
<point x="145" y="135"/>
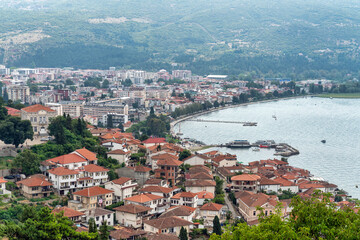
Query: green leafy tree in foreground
<point x="92" y="226"/>
<point x="313" y="218"/>
<point x="183" y="234"/>
<point x="216" y="226"/>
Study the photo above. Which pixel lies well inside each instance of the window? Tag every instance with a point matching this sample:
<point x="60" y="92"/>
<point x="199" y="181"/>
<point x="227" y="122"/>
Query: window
<point x="254" y="213"/>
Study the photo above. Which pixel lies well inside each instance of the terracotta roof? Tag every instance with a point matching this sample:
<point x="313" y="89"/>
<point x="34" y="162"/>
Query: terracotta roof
<point x="284" y="182"/>
<point x="205" y="195"/>
<point x="94" y="168"/>
<point x="2" y="180"/>
<point x="184" y="194"/>
<point x="93" y="191"/>
<point x="228" y="157"/>
<point x="168" y="222"/>
<point x="90" y="156"/>
<point x="34" y="182"/>
<point x="160" y="236"/>
<point x="245" y="177"/>
<point x="127" y="233"/>
<point x="68" y="212"/>
<point x="141" y="168"/>
<point x="211" y="207"/>
<point x="197" y="169"/>
<point x="169" y="162"/>
<point x="155" y="140"/>
<point x="196" y="183"/>
<point x="241" y="194"/>
<point x="157" y="189"/>
<point x="153" y="181"/>
<point x="267" y="181"/>
<point x="132" y="208"/>
<point x="178" y="211"/>
<point x="121" y="180"/>
<point x="164" y="156"/>
<point x="13" y="111"/>
<point x="118" y="152"/>
<point x="37" y="108"/>
<point x="201" y="175"/>
<point x="61" y="171"/>
<point x="257" y="200"/>
<point x="66" y="159"/>
<point x="143" y="198"/>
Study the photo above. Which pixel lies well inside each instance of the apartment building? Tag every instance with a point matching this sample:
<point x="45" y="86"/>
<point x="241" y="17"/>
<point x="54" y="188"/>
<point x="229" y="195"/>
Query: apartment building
<point x="91" y="198"/>
<point x="18" y="93"/>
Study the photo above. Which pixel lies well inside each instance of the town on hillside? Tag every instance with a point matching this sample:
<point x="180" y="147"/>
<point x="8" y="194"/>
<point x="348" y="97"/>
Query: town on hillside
<point x="97" y="147"/>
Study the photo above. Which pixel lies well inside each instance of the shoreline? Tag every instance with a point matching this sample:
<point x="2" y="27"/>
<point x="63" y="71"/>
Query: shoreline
<point x="182" y="119"/>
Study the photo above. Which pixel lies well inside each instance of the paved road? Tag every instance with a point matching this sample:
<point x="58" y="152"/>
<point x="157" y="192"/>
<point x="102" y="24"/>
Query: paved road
<point x="229" y="204"/>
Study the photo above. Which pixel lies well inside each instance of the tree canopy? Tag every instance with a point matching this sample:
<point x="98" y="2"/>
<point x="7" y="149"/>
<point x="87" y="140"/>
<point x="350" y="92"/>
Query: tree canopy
<point x="311" y="218"/>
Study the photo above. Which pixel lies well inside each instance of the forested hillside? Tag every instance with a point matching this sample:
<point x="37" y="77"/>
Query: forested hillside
<point x="293" y="38"/>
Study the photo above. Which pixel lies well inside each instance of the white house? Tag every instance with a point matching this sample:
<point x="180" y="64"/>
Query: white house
<point x="200" y="185"/>
<point x="120" y="155"/>
<point x="132" y="215"/>
<point x="155" y="202"/>
<point x="268" y="185"/>
<point x="123" y="188"/>
<point x="171" y="225"/>
<point x="196" y="160"/>
<point x="100" y="215"/>
<point x="186" y="199"/>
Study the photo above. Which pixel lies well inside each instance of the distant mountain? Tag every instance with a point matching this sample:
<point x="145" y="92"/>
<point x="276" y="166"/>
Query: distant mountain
<point x="279" y="37"/>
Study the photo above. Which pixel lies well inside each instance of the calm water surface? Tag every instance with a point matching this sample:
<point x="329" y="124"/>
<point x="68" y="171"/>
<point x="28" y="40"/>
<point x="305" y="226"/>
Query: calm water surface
<point x="302" y="123"/>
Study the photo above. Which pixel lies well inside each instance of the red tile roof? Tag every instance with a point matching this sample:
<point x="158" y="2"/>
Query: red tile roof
<point x="118" y="152"/>
<point x="61" y="171"/>
<point x="141" y="168"/>
<point x="246" y="177"/>
<point x="143" y="198"/>
<point x="121" y="180"/>
<point x="205" y="195"/>
<point x="157" y="189"/>
<point x="184" y="194"/>
<point x="66" y="159"/>
<point x="34" y="182"/>
<point x="94" y="168"/>
<point x="211" y="206"/>
<point x="13" y="111"/>
<point x="68" y="212"/>
<point x="93" y="191"/>
<point x="132" y="208"/>
<point x="169" y="162"/>
<point x="2" y="180"/>
<point x="90" y="156"/>
<point x="37" y="108"/>
<point x="155" y="140"/>
<point x="168" y="222"/>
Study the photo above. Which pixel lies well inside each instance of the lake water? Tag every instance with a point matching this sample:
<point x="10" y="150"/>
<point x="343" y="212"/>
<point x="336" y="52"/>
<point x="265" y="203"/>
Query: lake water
<point x="302" y="123"/>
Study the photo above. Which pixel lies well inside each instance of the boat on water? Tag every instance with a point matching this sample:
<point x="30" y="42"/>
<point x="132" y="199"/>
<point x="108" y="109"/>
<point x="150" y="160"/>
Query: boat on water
<point x="323" y="141"/>
<point x="238" y="144"/>
<point x="256" y="149"/>
<point x="274" y="117"/>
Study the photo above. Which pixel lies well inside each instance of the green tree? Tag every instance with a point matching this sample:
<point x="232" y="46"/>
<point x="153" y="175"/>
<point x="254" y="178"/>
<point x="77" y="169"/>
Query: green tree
<point x="56" y="129"/>
<point x="127" y="83"/>
<point x="184" y="154"/>
<point x="183" y="234"/>
<point x="216" y="226"/>
<point x="105" y="84"/>
<point x="26" y="162"/>
<point x="104" y="231"/>
<point x="15" y="131"/>
<point x="92" y="226"/>
<point x="216" y="104"/>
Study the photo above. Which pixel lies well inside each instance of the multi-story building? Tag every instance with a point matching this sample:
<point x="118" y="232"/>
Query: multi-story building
<point x="3" y="187"/>
<point x="100" y="215"/>
<point x="18" y="93"/>
<point x="74" y="108"/>
<point x="35" y="187"/>
<point x="185" y="199"/>
<point x="101" y="108"/>
<point x="123" y="188"/>
<point x="132" y="215"/>
<point x="91" y="198"/>
<point x="181" y="74"/>
<point x="168" y="169"/>
<point x="155" y="202"/>
<point x="245" y="182"/>
<point x="116" y="119"/>
<point x="39" y="117"/>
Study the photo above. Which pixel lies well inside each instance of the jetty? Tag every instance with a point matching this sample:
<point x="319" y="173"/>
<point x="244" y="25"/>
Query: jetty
<point x="221" y="121"/>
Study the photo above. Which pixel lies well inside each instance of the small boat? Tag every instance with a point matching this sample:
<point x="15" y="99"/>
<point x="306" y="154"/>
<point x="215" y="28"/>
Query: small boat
<point x="323" y="141"/>
<point x="256" y="149"/>
<point x="238" y="144"/>
<point x="274" y="117"/>
<point x="264" y="146"/>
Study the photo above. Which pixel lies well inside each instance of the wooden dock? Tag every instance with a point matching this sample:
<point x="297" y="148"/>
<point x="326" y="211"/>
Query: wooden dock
<point x="221" y="121"/>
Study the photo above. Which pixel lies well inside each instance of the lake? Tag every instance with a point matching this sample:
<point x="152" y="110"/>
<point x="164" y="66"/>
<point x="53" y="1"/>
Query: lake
<point x="302" y="123"/>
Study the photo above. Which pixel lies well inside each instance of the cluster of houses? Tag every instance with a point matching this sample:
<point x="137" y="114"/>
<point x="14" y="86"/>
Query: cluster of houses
<point x="160" y="194"/>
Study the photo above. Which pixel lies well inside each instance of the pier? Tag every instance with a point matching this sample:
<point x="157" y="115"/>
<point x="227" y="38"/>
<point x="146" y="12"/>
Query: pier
<point x="221" y="121"/>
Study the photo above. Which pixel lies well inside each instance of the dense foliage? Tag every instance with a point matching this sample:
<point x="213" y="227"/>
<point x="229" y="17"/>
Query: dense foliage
<point x="311" y="218"/>
<point x="38" y="223"/>
<point x="13" y="130"/>
<point x="154" y="125"/>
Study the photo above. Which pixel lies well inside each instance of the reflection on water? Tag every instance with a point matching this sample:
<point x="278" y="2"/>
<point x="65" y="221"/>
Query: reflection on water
<point x="302" y="123"/>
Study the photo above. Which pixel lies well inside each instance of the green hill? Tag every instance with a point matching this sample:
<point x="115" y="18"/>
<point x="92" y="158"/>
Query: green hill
<point x="298" y="37"/>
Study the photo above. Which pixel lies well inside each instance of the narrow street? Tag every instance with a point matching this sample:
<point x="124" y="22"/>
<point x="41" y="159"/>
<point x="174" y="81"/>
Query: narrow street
<point x="231" y="207"/>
